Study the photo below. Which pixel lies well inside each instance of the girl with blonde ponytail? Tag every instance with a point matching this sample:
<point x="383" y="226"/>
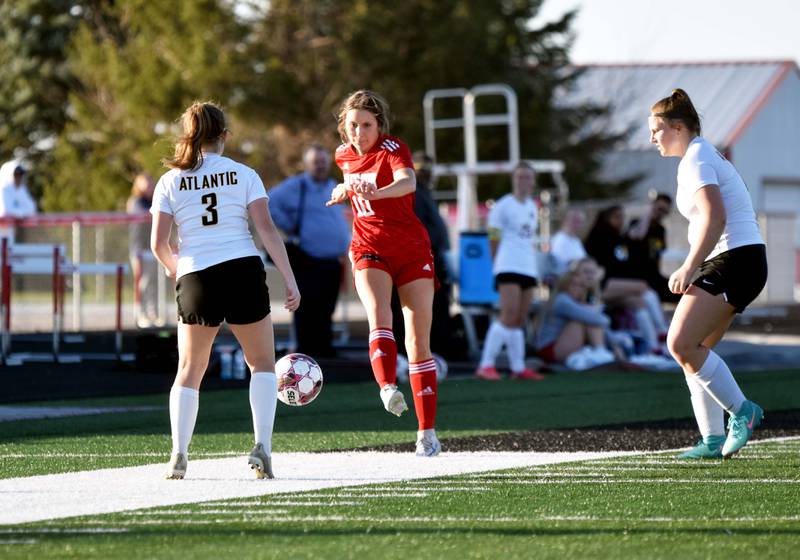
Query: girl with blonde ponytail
<point x="725" y="270"/>
<point x="220" y="274"/>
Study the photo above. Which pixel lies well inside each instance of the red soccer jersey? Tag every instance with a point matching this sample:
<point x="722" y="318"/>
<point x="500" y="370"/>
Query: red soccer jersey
<point x="388" y="226"/>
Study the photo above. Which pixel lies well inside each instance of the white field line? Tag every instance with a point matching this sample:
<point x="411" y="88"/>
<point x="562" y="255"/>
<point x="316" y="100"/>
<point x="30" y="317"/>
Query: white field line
<point x="93" y="492"/>
<point x="439" y="520"/>
<point x="63" y="531"/>
<point x="12" y="413"/>
<point x="160" y="454"/>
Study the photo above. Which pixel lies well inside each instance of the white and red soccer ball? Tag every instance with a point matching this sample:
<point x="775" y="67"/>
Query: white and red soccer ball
<point x="299" y="379"/>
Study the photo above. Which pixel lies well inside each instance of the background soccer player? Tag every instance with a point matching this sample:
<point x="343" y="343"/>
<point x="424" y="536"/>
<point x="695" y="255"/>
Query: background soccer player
<point x="513" y="227"/>
<point x="390" y="247"/>
<point x="220" y="274"/>
<point x="725" y="270"/>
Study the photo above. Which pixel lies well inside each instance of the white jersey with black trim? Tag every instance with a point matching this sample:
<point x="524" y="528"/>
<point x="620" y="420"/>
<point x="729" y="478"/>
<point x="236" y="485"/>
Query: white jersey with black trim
<point x="517" y="224"/>
<point x="703" y="165"/>
<point x="209" y="206"/>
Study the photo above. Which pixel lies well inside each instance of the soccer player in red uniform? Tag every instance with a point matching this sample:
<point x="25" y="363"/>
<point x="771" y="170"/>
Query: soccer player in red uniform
<point x="390" y="247"/>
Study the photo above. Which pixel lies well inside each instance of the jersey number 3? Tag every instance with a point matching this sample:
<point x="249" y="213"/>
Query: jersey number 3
<point x="210" y="218"/>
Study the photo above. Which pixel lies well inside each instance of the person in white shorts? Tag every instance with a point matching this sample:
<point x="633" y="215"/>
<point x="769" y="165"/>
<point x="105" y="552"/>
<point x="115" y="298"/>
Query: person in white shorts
<point x="220" y="275"/>
<point x="725" y="270"/>
<point x="512" y="232"/>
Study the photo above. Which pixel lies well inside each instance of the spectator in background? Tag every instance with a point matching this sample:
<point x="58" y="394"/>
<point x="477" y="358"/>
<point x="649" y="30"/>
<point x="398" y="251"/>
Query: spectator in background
<point x="143" y="262"/>
<point x="513" y="227"/>
<point x="570" y="323"/>
<point x="647" y="240"/>
<point x="317" y="237"/>
<point x="566" y="246"/>
<point x="15" y="200"/>
<point x="428" y="213"/>
<point x="622" y="285"/>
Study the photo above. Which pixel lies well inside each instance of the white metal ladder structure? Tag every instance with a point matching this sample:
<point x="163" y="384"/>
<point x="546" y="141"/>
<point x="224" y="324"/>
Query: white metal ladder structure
<point x="468" y="170"/>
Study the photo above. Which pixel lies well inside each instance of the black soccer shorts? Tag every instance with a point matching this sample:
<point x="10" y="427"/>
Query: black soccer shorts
<point x="234" y="291"/>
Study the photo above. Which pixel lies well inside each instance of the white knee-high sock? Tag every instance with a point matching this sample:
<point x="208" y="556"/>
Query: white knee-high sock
<point x="495" y="338"/>
<point x="646" y="328"/>
<point x="515" y="348"/>
<point x="709" y="414"/>
<point x="653" y="305"/>
<point x="263" y="399"/>
<point x="183" y="405"/>
<point x="718" y="381"/>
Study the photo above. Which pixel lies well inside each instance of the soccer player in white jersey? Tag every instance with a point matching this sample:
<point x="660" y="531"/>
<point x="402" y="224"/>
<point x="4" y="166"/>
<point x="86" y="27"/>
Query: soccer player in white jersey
<point x="220" y="275"/>
<point x="725" y="270"/>
<point x="512" y="231"/>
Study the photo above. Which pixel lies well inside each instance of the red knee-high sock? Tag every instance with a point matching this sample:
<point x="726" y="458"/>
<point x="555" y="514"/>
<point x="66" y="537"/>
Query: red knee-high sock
<point x="383" y="356"/>
<point x="422" y="376"/>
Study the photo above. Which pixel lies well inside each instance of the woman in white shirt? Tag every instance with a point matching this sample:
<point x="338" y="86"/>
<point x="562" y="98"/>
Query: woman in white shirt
<point x="512" y="233"/>
<point x="220" y="275"/>
<point x="725" y="270"/>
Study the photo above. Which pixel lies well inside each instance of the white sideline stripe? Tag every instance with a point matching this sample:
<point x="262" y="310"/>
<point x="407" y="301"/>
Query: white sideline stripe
<point x="65" y="531"/>
<point x="162" y="454"/>
<point x="56" y="496"/>
<point x="438" y="520"/>
<point x="12" y="413"/>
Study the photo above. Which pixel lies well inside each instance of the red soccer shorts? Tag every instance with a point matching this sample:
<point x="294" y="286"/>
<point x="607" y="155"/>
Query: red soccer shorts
<point x="403" y="268"/>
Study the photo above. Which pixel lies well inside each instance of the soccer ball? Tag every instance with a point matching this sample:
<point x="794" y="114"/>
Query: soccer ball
<point x="402" y="368"/>
<point x="299" y="379"/>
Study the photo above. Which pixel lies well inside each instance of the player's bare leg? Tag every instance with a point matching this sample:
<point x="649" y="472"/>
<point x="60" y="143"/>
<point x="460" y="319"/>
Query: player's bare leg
<point x="194" y="348"/>
<point x="374" y="289"/>
<point x="258" y="346"/>
<point x="700" y="316"/>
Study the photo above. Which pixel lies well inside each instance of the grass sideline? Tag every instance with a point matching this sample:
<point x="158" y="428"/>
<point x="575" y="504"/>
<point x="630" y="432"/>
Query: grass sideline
<point x="646" y="506"/>
<point x="350" y="415"/>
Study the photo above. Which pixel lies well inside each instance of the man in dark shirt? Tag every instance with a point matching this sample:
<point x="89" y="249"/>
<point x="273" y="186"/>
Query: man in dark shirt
<point x="428" y="212"/>
<point x="647" y="240"/>
<point x="317" y="240"/>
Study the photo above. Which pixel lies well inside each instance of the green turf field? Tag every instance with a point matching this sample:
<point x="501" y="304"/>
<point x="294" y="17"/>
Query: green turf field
<point x="646" y="506"/>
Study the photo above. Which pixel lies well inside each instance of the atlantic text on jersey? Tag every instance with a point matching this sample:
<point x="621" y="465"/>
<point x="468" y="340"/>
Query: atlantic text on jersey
<point x="195" y="183"/>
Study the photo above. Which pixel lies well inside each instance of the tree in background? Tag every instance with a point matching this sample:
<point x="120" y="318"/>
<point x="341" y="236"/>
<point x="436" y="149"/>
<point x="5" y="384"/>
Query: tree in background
<point x="35" y="82"/>
<point x="138" y="63"/>
<point x="280" y="69"/>
<point x="318" y="51"/>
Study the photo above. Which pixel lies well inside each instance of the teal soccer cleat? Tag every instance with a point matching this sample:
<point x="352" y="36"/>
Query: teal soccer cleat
<point x="741" y="426"/>
<point x="707" y="448"/>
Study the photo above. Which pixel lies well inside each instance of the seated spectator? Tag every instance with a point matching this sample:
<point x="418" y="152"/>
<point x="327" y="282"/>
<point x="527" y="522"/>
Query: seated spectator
<point x="566" y="246"/>
<point x="15" y="200"/>
<point x="647" y="240"/>
<point x="622" y="284"/>
<point x="569" y="322"/>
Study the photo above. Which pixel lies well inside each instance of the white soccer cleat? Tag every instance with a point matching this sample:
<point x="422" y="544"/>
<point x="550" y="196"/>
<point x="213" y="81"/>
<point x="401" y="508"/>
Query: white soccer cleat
<point x="393" y="400"/>
<point x="428" y="444"/>
<point x="176" y="468"/>
<point x="261" y="462"/>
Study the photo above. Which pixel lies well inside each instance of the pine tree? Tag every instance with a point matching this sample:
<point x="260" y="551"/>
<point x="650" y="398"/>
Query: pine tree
<point x="35" y="78"/>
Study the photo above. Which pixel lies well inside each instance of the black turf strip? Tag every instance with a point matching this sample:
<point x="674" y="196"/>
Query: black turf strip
<point x="638" y="436"/>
